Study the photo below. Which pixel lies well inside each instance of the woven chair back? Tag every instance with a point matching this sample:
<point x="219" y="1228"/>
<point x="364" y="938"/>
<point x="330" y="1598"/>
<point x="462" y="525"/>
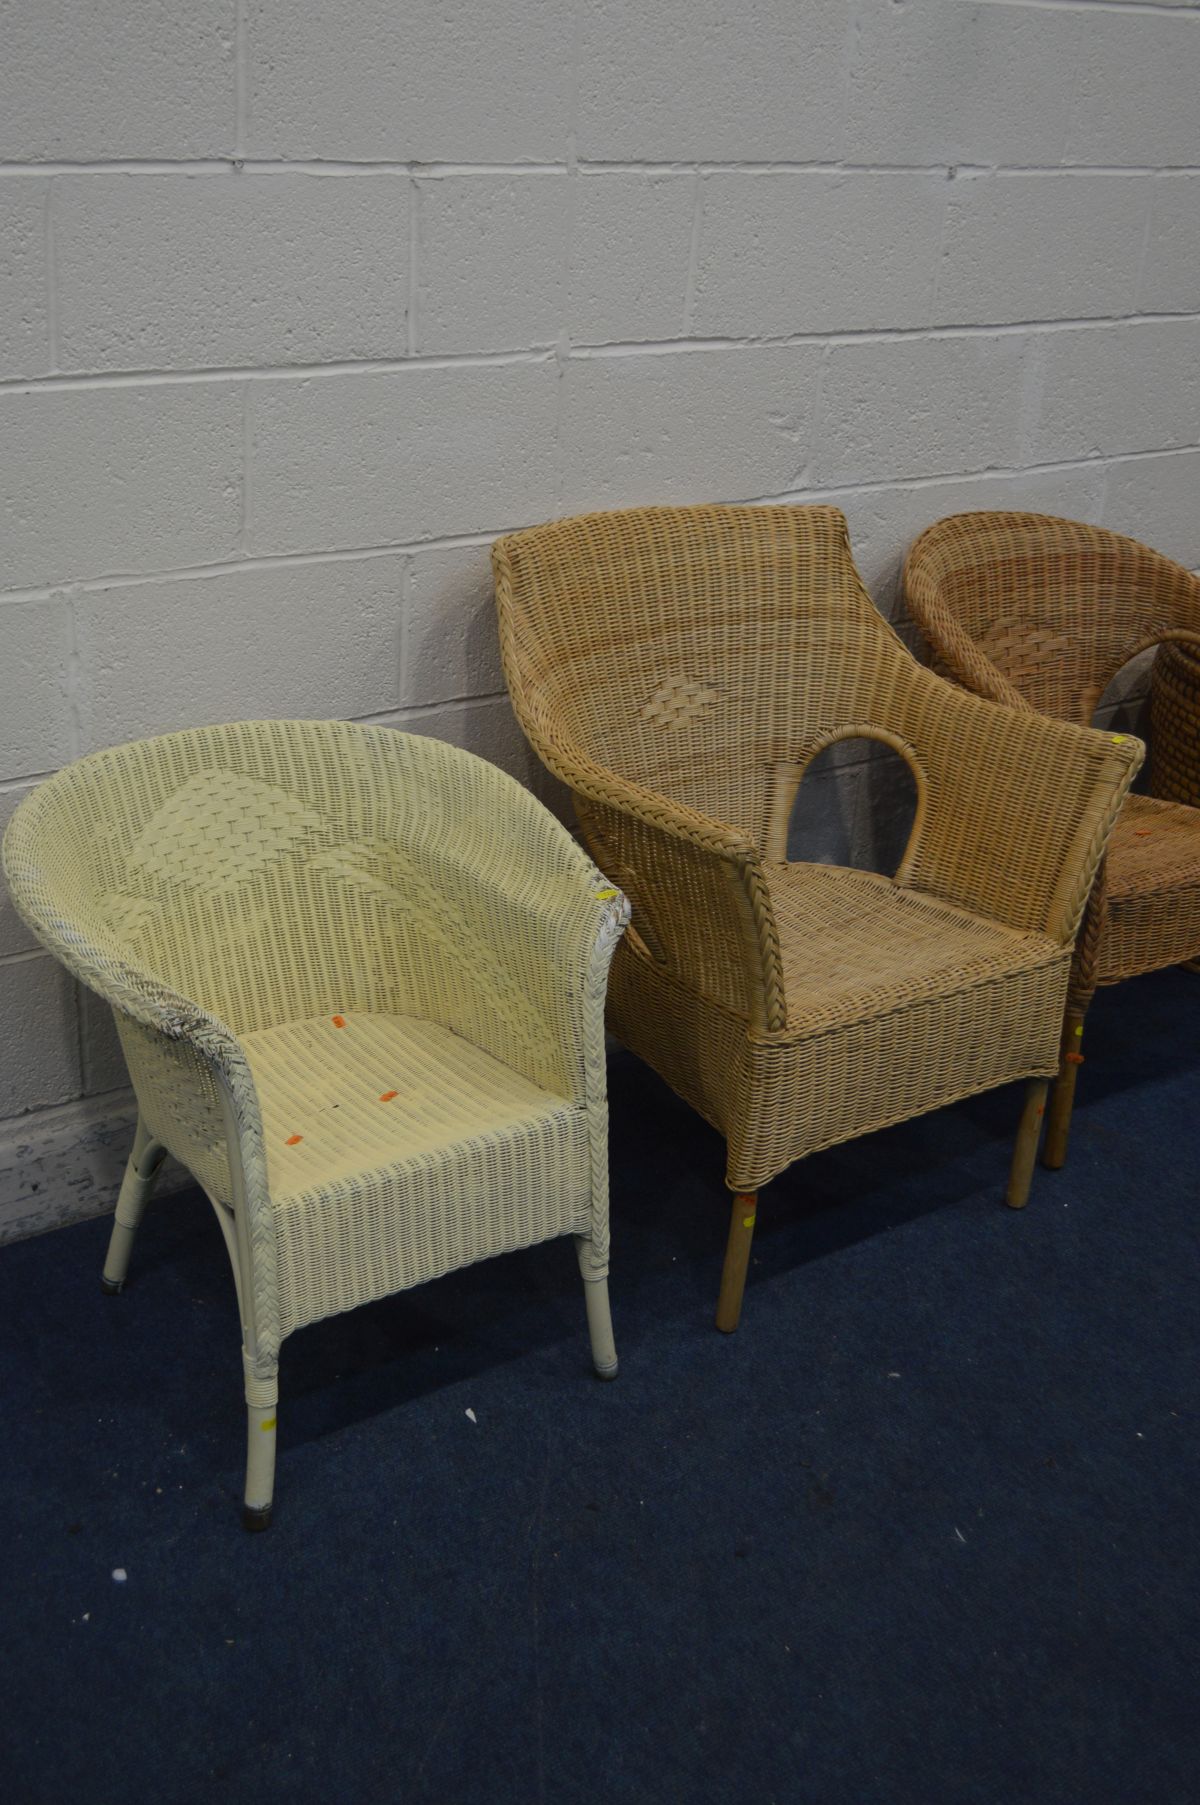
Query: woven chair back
<point x="273" y="871"/>
<point x="703" y="653"/>
<point x="1040" y="612"/>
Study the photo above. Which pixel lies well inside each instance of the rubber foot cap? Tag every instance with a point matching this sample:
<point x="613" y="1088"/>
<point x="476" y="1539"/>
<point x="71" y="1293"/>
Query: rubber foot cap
<point x="111" y="1287"/>
<point x="256" y="1517"/>
<point x="607" y="1372"/>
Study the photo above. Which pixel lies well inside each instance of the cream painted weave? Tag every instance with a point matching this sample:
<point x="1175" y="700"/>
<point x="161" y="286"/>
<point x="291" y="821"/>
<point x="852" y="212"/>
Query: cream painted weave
<point x="230" y="890"/>
<point x="429" y="1163"/>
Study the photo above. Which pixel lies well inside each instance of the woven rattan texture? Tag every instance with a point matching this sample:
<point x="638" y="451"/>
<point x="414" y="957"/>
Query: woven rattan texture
<point x="1175" y="723"/>
<point x="679" y="668"/>
<point x="454" y="1155"/>
<point x="1042" y="613"/>
<point x="228" y="889"/>
<point x="856" y="944"/>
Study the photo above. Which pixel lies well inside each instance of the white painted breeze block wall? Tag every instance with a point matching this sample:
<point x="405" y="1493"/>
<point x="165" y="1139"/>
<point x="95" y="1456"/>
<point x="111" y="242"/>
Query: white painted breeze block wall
<point x="303" y="302"/>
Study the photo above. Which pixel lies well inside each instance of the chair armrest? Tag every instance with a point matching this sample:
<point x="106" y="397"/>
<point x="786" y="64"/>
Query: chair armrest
<point x="1018" y="809"/>
<point x="701" y="907"/>
<point x="949" y="640"/>
<point x="524" y="954"/>
<point x="181" y="1056"/>
<point x="196" y="1095"/>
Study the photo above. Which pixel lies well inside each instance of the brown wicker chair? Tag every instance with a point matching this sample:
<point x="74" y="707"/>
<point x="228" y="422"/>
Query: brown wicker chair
<point x="679" y="668"/>
<point x="1041" y="613"/>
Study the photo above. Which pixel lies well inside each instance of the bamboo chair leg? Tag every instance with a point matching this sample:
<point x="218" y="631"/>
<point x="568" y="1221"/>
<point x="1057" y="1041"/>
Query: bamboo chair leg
<point x="262" y="1404"/>
<point x="1025" y="1152"/>
<point x="141" y="1170"/>
<point x="1062" y="1101"/>
<point x="599" y="1315"/>
<point x="737" y="1260"/>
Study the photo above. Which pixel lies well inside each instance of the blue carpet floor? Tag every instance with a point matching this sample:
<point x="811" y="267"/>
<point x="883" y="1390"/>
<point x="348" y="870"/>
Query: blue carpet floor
<point x="925" y="1530"/>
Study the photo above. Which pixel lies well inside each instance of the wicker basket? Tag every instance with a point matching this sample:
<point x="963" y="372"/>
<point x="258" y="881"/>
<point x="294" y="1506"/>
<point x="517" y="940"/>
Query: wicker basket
<point x="1175" y="724"/>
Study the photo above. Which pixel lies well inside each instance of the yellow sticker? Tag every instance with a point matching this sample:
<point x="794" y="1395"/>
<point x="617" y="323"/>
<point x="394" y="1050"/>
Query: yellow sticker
<point x="1118" y="739"/>
<point x="1079" y="1029"/>
<point x="267" y="1423"/>
<point x="604" y="895"/>
<point x="747" y="1221"/>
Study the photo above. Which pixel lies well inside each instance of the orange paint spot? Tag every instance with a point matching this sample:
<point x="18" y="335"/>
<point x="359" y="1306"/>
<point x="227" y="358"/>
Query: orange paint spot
<point x="1143" y="833"/>
<point x="1073" y="1058"/>
<point x="386" y="1096"/>
<point x="339" y="1021"/>
<point x="293" y="1140"/>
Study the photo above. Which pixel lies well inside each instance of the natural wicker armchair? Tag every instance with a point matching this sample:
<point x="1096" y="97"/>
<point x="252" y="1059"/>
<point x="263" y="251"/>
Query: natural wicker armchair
<point x="679" y="668"/>
<point x="1040" y="613"/>
<point x="359" y="982"/>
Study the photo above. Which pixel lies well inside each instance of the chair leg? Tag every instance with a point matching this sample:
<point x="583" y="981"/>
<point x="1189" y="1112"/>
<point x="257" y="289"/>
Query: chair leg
<point x="1025" y="1152"/>
<point x="737" y="1260"/>
<point x="1062" y="1101"/>
<point x="141" y="1170"/>
<point x="262" y="1404"/>
<point x="599" y="1315"/>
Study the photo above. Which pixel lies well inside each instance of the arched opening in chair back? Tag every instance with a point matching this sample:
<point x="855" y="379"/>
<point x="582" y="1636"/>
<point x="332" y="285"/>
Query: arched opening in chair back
<point x="857" y="799"/>
<point x="694" y="651"/>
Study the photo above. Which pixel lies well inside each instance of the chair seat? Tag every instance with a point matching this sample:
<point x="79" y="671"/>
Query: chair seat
<point x="896" y="1004"/>
<point x="1152" y="890"/>
<point x="397" y="1150"/>
<point x="855" y="944"/>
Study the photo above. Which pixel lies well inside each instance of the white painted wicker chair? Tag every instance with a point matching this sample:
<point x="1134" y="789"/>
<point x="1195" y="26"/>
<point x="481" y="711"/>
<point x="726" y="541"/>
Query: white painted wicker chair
<point x="359" y="981"/>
